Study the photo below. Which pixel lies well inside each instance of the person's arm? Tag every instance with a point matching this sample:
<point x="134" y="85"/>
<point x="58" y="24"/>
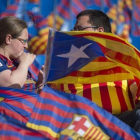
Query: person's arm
<point x="17" y="78"/>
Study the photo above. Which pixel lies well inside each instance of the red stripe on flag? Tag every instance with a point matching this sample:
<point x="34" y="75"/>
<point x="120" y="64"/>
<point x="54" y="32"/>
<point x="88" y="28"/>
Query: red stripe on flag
<point x="12" y="7"/>
<point x="10" y="127"/>
<point x="62" y="87"/>
<point x="25" y="86"/>
<point x="74" y="10"/>
<point x="29" y="98"/>
<point x="33" y="42"/>
<point x="72" y="88"/>
<point x="92" y="134"/>
<point x="31" y="88"/>
<point x="88" y="132"/>
<point x="13" y="114"/>
<point x="62" y="11"/>
<point x="119" y="57"/>
<point x="86" y="74"/>
<point x="80" y="5"/>
<point x="100" y="72"/>
<point x="50" y="119"/>
<point x="127" y="60"/>
<point x="97" y="135"/>
<point x="39" y="46"/>
<point x="100" y="138"/>
<point x="87" y="91"/>
<point x="105" y="98"/>
<point x="7" y="14"/>
<point x="97" y="2"/>
<point x="131" y="98"/>
<point x="34" y="69"/>
<point x="118" y="86"/>
<point x="101" y="59"/>
<point x="18" y="104"/>
<point x="42" y="23"/>
<point x="49" y="107"/>
<point x="4" y="137"/>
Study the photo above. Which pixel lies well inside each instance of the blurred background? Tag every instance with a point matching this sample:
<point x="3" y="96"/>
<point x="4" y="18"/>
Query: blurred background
<point x="61" y="15"/>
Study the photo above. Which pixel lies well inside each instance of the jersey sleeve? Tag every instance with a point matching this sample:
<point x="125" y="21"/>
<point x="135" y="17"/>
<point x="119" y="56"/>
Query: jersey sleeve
<point x="2" y="66"/>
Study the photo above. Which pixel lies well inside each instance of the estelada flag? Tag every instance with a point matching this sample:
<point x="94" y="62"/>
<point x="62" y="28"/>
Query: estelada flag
<point x="90" y="57"/>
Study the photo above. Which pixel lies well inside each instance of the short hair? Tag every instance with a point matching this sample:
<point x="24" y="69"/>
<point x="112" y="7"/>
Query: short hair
<point x="97" y="18"/>
<point x="11" y="25"/>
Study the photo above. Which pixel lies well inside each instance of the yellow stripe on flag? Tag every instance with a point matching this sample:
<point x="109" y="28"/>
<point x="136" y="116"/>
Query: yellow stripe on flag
<point x="44" y="31"/>
<point x="32" y="40"/>
<point x="42" y="48"/>
<point x="94" y="66"/>
<point x="79" y="89"/>
<point x="116" y="107"/>
<point x="66" y="88"/>
<point x="95" y="79"/>
<point x="126" y="97"/>
<point x="95" y="94"/>
<point x="43" y="128"/>
<point x="40" y="40"/>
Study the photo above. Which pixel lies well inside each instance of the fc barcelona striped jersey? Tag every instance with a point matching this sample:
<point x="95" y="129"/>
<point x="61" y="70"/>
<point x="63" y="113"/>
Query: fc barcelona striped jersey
<point x="12" y="65"/>
<point x="114" y="97"/>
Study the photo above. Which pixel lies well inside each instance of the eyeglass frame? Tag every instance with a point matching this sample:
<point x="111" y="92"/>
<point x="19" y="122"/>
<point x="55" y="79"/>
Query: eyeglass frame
<point x="84" y="27"/>
<point x="23" y="41"/>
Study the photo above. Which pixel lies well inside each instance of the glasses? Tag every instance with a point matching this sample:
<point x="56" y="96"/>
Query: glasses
<point x="81" y="28"/>
<point x="23" y="41"/>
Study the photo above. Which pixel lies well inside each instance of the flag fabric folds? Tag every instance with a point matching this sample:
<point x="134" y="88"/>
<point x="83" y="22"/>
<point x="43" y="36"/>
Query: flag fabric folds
<point x="11" y="10"/>
<point x="13" y="131"/>
<point x="63" y="12"/>
<point x="59" y="115"/>
<point x="80" y="53"/>
<point x="16" y="105"/>
<point x="34" y="68"/>
<point x="38" y="43"/>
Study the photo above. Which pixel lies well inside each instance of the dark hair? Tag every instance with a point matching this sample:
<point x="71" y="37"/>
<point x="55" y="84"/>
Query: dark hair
<point x="97" y="18"/>
<point x="11" y="25"/>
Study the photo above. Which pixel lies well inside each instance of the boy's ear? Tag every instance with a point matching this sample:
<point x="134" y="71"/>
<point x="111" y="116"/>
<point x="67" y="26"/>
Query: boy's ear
<point x="8" y="39"/>
<point x="101" y="29"/>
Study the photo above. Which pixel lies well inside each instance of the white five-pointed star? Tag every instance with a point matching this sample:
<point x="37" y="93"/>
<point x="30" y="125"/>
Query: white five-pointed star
<point x="75" y="53"/>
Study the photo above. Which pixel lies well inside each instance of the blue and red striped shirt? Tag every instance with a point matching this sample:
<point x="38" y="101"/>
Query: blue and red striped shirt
<point x="5" y="64"/>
